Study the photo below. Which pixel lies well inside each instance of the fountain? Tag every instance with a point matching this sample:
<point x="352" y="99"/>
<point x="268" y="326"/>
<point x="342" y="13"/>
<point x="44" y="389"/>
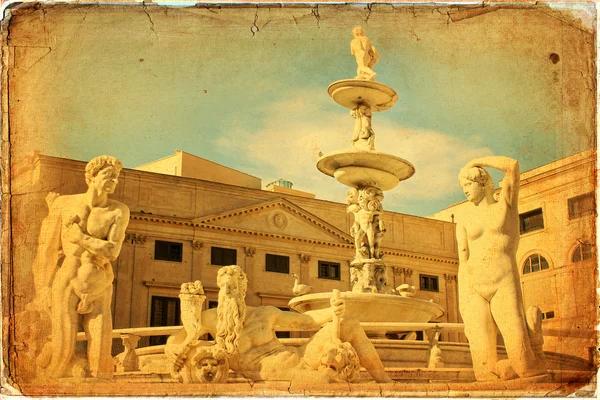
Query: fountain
<point x="368" y="173"/>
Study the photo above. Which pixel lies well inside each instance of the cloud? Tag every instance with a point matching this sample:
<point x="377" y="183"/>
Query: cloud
<point x="295" y="131"/>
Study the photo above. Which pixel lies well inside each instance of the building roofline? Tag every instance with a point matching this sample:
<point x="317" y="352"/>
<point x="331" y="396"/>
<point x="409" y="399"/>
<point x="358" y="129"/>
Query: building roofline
<point x="220" y="165"/>
<point x="208" y="183"/>
<point x="159" y="159"/>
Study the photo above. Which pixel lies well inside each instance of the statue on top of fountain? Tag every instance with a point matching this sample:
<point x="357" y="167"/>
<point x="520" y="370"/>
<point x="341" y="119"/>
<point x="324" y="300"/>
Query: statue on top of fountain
<point x="365" y="53"/>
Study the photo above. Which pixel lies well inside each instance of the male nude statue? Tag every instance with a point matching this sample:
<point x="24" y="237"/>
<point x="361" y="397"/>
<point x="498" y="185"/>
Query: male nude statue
<point x="364" y="52"/>
<point x="368" y="227"/>
<point x="80" y="236"/>
<point x="247" y="335"/>
<point x="488" y="280"/>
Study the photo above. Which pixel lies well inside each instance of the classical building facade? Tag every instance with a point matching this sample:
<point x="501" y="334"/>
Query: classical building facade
<point x="183" y="228"/>
<point x="557" y="255"/>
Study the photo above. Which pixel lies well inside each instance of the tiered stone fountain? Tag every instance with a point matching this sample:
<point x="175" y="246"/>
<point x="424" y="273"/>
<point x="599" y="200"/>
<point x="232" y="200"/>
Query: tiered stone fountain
<point x="368" y="173"/>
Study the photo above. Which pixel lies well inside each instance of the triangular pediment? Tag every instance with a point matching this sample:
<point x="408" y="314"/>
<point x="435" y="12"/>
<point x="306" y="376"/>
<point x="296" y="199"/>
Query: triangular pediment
<point x="278" y="217"/>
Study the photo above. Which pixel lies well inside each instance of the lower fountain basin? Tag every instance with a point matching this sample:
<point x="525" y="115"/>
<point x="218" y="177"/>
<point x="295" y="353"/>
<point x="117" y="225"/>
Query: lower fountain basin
<point x="373" y="307"/>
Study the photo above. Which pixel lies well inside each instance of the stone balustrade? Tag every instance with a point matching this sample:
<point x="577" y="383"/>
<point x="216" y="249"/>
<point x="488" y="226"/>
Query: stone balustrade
<point x="128" y="361"/>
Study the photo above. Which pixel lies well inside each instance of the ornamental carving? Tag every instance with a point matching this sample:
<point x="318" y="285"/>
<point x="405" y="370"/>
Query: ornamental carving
<point x="304" y="258"/>
<point x="450" y="277"/>
<point x="279" y="220"/>
<point x="136" y="238"/>
<point x="398" y="270"/>
<point x="197" y="244"/>
<point x="249" y="251"/>
<point x="408" y="272"/>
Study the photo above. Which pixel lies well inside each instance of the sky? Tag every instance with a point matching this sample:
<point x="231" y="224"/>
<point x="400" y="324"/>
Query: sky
<point x="138" y="84"/>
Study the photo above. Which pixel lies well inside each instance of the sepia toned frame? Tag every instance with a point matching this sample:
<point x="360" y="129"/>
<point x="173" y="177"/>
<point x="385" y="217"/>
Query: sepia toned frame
<point x="10" y="177"/>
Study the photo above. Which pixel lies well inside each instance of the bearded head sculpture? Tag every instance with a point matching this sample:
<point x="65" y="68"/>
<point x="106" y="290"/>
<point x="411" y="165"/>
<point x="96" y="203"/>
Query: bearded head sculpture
<point x="231" y="311"/>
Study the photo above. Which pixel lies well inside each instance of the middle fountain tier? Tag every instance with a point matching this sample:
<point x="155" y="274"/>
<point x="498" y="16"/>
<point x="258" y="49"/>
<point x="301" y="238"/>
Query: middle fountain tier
<point x="368" y="173"/>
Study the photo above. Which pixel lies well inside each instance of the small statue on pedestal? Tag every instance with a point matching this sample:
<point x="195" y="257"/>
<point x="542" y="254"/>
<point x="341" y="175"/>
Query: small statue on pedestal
<point x="365" y="53"/>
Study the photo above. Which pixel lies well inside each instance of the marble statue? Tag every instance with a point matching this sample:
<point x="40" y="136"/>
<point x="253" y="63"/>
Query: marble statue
<point x="488" y="280"/>
<point x="73" y="275"/>
<point x="209" y="365"/>
<point x="364" y="136"/>
<point x="247" y="336"/>
<point x="365" y="53"/>
<point x="368" y="228"/>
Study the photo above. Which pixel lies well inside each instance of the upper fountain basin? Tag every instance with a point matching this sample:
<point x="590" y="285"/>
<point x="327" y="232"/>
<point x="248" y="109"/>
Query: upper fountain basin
<point x="353" y="92"/>
<point x="357" y="168"/>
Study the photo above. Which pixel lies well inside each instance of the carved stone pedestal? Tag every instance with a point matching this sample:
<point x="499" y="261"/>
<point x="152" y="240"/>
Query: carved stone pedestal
<point x="368" y="276"/>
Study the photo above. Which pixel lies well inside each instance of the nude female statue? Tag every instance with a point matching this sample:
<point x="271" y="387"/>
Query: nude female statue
<point x="80" y="236"/>
<point x="488" y="279"/>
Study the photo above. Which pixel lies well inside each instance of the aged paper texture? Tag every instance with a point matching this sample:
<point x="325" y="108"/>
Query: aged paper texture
<point x="210" y="112"/>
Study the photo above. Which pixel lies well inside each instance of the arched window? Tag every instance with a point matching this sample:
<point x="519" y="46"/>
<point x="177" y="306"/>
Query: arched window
<point x="535" y="263"/>
<point x="583" y="252"/>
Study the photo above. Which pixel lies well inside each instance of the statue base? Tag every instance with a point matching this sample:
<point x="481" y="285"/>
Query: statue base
<point x="368" y="276"/>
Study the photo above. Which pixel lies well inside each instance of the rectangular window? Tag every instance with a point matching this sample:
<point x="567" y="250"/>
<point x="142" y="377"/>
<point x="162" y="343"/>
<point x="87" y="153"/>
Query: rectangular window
<point x="275" y="263"/>
<point x="531" y="221"/>
<point x="582" y="205"/>
<point x="168" y="251"/>
<point x="221" y="256"/>
<point x="329" y="270"/>
<point x="165" y="311"/>
<point x="429" y="283"/>
<point x="548" y="315"/>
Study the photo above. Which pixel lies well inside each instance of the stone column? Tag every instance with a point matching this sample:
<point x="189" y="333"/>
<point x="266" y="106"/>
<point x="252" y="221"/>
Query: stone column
<point x="304" y="271"/>
<point x="140" y="264"/>
<point x="121" y="305"/>
<point x="251" y="298"/>
<point x="408" y="277"/>
<point x="451" y="304"/>
<point x="398" y="276"/>
<point x="197" y="256"/>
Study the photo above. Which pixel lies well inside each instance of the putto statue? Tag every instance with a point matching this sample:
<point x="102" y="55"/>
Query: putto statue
<point x="365" y="53"/>
<point x="364" y="136"/>
<point x="488" y="280"/>
<point x="73" y="275"/>
<point x="368" y="228"/>
<point x="246" y="336"/>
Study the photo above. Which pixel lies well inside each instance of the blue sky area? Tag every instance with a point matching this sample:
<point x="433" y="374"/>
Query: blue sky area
<point x="199" y="81"/>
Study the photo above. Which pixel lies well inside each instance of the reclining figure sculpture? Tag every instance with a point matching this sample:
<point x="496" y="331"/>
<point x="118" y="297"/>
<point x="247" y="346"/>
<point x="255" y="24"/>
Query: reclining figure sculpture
<point x="246" y="336"/>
